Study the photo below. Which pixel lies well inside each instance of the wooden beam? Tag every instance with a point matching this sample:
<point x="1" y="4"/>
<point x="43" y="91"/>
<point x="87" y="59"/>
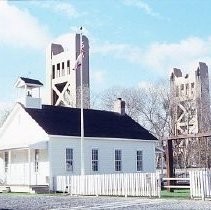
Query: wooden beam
<point x="177" y="186"/>
<point x="185" y="136"/>
<point x="177" y="178"/>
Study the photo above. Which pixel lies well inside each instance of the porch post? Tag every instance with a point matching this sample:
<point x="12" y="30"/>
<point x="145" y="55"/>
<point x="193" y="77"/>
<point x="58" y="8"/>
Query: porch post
<point x="29" y="163"/>
<point x="9" y="166"/>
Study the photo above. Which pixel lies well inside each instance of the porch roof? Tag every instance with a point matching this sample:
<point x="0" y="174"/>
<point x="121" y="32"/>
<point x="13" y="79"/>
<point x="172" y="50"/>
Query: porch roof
<point x="38" y="145"/>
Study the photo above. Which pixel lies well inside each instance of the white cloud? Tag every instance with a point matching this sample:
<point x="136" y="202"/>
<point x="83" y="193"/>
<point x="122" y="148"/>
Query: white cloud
<point x="98" y="77"/>
<point x="73" y="30"/>
<point x="59" y="7"/>
<point x="76" y="29"/>
<point x="66" y="9"/>
<point x="20" y="28"/>
<point x="126" y="51"/>
<point x="65" y="39"/>
<point x="184" y="54"/>
<point x="143" y="6"/>
<point x="161" y="57"/>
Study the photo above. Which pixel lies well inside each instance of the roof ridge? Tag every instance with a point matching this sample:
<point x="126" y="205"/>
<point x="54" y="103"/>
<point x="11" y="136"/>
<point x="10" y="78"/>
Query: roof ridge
<point x="86" y="109"/>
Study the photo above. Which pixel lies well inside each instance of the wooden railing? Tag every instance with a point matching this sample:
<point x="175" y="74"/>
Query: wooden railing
<point x="178" y="186"/>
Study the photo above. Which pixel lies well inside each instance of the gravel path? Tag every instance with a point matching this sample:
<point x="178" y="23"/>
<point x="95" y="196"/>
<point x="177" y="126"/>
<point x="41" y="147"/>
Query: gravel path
<point x="27" y="202"/>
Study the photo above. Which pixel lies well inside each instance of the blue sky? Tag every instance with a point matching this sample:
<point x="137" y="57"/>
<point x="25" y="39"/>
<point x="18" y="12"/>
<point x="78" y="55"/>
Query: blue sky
<point x="132" y="42"/>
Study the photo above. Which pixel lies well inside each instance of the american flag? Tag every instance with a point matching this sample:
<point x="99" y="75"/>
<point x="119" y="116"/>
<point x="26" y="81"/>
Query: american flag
<point x="78" y="61"/>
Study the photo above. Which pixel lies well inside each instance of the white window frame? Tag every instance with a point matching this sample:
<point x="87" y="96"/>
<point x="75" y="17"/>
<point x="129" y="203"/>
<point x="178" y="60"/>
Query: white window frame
<point x="118" y="160"/>
<point x="36" y="160"/>
<point x="139" y="160"/>
<point x="68" y="66"/>
<point x="69" y="159"/>
<point x="95" y="160"/>
<point x="6" y="161"/>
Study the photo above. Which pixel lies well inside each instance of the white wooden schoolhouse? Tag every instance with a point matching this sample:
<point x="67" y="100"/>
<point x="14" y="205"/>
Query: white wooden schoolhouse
<point x="39" y="142"/>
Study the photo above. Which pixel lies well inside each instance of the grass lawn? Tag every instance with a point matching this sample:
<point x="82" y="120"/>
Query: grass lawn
<point x="178" y="193"/>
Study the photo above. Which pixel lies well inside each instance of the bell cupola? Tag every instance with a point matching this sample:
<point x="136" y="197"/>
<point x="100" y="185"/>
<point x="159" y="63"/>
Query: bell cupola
<point x="29" y="92"/>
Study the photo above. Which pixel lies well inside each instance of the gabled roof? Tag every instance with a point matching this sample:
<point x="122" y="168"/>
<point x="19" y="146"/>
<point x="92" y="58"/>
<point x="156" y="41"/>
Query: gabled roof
<point x="31" y="81"/>
<point x="57" y="120"/>
<point x="22" y="81"/>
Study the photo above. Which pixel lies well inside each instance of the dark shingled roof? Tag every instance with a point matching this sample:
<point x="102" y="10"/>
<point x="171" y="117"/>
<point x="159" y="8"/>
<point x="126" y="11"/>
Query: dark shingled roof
<point x="31" y="81"/>
<point x="57" y="120"/>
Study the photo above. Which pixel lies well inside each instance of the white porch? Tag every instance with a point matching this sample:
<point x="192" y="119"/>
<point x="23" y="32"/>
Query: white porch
<point x="24" y="166"/>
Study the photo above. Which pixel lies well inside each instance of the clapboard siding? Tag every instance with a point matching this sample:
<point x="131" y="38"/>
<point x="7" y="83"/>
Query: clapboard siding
<point x="106" y="148"/>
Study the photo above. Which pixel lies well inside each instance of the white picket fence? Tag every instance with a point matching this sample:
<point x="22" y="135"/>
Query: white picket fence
<point x="130" y="184"/>
<point x="200" y="184"/>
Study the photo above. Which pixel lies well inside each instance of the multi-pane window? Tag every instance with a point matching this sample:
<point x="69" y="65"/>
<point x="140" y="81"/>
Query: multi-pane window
<point x="6" y="161"/>
<point x="69" y="159"/>
<point x="118" y="160"/>
<point x="53" y="72"/>
<point x="58" y="66"/>
<point x="95" y="160"/>
<point x="192" y="88"/>
<point x="58" y="69"/>
<point x="63" y="69"/>
<point x="139" y="160"/>
<point x="36" y="160"/>
<point x="187" y="88"/>
<point x="68" y="67"/>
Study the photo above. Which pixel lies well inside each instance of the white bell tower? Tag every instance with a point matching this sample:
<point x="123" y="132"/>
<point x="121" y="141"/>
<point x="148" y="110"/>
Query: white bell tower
<point x="29" y="92"/>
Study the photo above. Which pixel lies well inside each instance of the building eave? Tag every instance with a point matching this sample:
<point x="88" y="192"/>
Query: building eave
<point x="101" y="138"/>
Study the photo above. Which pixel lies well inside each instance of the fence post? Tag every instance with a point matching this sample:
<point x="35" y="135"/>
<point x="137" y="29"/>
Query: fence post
<point x="159" y="184"/>
<point x="81" y="183"/>
<point x="191" y="184"/>
<point x="126" y="184"/>
<point x="53" y="183"/>
<point x="202" y="185"/>
<point x="148" y="179"/>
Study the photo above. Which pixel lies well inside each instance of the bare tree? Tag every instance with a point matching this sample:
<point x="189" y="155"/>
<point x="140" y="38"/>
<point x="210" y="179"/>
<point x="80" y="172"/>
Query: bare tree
<point x="131" y="96"/>
<point x="154" y="109"/>
<point x="147" y="105"/>
<point x="86" y="97"/>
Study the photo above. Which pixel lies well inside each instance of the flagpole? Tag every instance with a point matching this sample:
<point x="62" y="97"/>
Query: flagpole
<point x="82" y="112"/>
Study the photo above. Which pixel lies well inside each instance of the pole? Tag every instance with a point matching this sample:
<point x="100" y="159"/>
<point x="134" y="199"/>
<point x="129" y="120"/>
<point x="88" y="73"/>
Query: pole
<point x="82" y="112"/>
<point x="169" y="163"/>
